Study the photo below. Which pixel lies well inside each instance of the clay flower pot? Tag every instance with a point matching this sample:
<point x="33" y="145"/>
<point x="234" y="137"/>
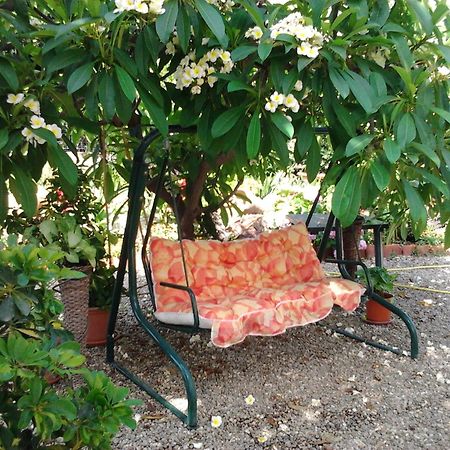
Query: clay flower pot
<point x="392" y="249"/>
<point x="423" y="249"/>
<point x="408" y="249"/>
<point x="97" y="326"/>
<point x="377" y="314"/>
<point x="370" y="251"/>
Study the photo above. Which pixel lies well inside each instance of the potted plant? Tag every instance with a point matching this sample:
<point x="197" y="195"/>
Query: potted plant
<point x="100" y="295"/>
<point x="383" y="285"/>
<point x="78" y="250"/>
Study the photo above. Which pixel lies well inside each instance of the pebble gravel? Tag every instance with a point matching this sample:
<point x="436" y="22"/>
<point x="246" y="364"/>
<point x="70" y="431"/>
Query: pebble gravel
<point x="312" y="388"/>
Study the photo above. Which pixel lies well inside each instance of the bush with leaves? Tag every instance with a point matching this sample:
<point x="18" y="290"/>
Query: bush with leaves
<point x="33" y="345"/>
<point x="251" y="79"/>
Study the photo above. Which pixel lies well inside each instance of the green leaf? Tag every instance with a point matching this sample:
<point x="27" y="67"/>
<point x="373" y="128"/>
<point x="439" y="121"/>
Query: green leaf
<point x="156" y="112"/>
<point x="9" y="74"/>
<point x="416" y="206"/>
<point x="183" y="28"/>
<point x="254" y="12"/>
<point x="60" y="160"/>
<point x="313" y="160"/>
<point x="406" y="130"/>
<point x="106" y="95"/>
<point x="305" y="136"/>
<point x="264" y="49"/>
<point x="237" y="85"/>
<point x="165" y="23"/>
<point x="24" y="189"/>
<point x="339" y="82"/>
<point x="317" y="7"/>
<point x="4" y="137"/>
<point x="362" y="91"/>
<point x="226" y="121"/>
<point x="126" y="83"/>
<point x="66" y="58"/>
<point x="392" y="150"/>
<point x="254" y="136"/>
<point x="441" y="112"/>
<point x="428" y="152"/>
<point x="423" y="14"/>
<point x="358" y="144"/>
<point x="380" y="175"/>
<point x="279" y="144"/>
<point x="213" y="19"/>
<point x="80" y="77"/>
<point x="6" y="309"/>
<point x="282" y="123"/>
<point x="4" y="202"/>
<point x="404" y="53"/>
<point x="240" y="53"/>
<point x="347" y="197"/>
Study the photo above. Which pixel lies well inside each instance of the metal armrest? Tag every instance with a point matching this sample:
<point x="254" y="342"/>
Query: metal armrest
<point x="355" y="263"/>
<point x="191" y="296"/>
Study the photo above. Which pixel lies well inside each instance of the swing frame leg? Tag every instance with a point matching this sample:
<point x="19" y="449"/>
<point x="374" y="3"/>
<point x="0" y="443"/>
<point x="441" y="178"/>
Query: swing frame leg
<point x="414" y="340"/>
<point x="128" y="258"/>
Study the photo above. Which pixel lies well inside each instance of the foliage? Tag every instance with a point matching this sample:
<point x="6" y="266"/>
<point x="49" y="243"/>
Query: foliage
<point x="382" y="280"/>
<point x="102" y="286"/>
<point x="34" y="415"/>
<point x="250" y="78"/>
<point x="26" y="300"/>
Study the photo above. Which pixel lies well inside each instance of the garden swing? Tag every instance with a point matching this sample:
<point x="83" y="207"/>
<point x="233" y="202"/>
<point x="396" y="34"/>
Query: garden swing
<point x="256" y="286"/>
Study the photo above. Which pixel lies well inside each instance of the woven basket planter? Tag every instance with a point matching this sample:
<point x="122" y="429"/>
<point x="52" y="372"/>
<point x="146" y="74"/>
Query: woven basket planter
<point x="75" y="297"/>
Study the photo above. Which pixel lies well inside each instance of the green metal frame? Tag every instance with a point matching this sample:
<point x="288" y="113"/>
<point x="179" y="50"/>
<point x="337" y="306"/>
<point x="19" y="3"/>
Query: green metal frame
<point x="128" y="259"/>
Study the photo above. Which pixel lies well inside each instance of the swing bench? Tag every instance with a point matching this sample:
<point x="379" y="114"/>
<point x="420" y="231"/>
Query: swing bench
<point x="258" y="286"/>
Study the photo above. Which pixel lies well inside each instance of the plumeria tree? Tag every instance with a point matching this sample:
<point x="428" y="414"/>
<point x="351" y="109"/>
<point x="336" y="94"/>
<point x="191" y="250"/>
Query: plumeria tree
<point x="256" y="79"/>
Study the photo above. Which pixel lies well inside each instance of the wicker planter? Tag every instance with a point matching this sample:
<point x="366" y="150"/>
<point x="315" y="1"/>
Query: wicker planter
<point x="97" y="326"/>
<point x="75" y="297"/>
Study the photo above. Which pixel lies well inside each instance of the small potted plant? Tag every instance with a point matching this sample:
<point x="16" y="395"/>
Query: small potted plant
<point x="383" y="285"/>
<point x="78" y="249"/>
<point x="100" y="296"/>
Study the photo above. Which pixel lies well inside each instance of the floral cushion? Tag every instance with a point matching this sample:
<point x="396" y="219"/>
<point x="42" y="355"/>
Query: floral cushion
<point x="256" y="286"/>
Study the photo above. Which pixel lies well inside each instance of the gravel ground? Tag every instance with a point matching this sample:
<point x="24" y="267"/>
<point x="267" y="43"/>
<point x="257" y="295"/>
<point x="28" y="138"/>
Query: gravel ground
<point x="313" y="389"/>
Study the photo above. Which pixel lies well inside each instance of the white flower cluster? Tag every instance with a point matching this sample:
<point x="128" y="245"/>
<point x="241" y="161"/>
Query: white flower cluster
<point x="36" y="120"/>
<point x="154" y="7"/>
<point x="284" y="102"/>
<point x="309" y="40"/>
<point x="194" y="74"/>
<point x="222" y="5"/>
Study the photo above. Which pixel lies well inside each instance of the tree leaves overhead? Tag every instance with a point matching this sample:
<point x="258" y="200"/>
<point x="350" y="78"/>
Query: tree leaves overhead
<point x="79" y="77"/>
<point x="253" y="136"/>
<point x="165" y="23"/>
<point x="347" y="197"/>
<point x="214" y="21"/>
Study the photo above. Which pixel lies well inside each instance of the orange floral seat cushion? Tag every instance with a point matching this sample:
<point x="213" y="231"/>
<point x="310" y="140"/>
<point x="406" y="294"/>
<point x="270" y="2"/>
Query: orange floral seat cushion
<point x="249" y="287"/>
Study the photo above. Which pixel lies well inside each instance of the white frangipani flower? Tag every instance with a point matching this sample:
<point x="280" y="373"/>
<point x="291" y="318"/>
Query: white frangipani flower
<point x="37" y="122"/>
<point x="15" y="99"/>
<point x="216" y="421"/>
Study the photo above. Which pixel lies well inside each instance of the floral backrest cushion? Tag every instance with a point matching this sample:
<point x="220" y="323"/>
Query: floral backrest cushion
<point x="288" y="257"/>
<point x="167" y="265"/>
<point x="222" y="269"/>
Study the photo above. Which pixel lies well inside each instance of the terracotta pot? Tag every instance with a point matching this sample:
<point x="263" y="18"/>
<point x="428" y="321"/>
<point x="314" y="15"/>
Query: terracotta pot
<point x="370" y="251"/>
<point x="51" y="378"/>
<point x="423" y="249"/>
<point x="392" y="249"/>
<point x="408" y="249"/>
<point x="437" y="249"/>
<point x="377" y="314"/>
<point x="363" y="253"/>
<point x="97" y="326"/>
